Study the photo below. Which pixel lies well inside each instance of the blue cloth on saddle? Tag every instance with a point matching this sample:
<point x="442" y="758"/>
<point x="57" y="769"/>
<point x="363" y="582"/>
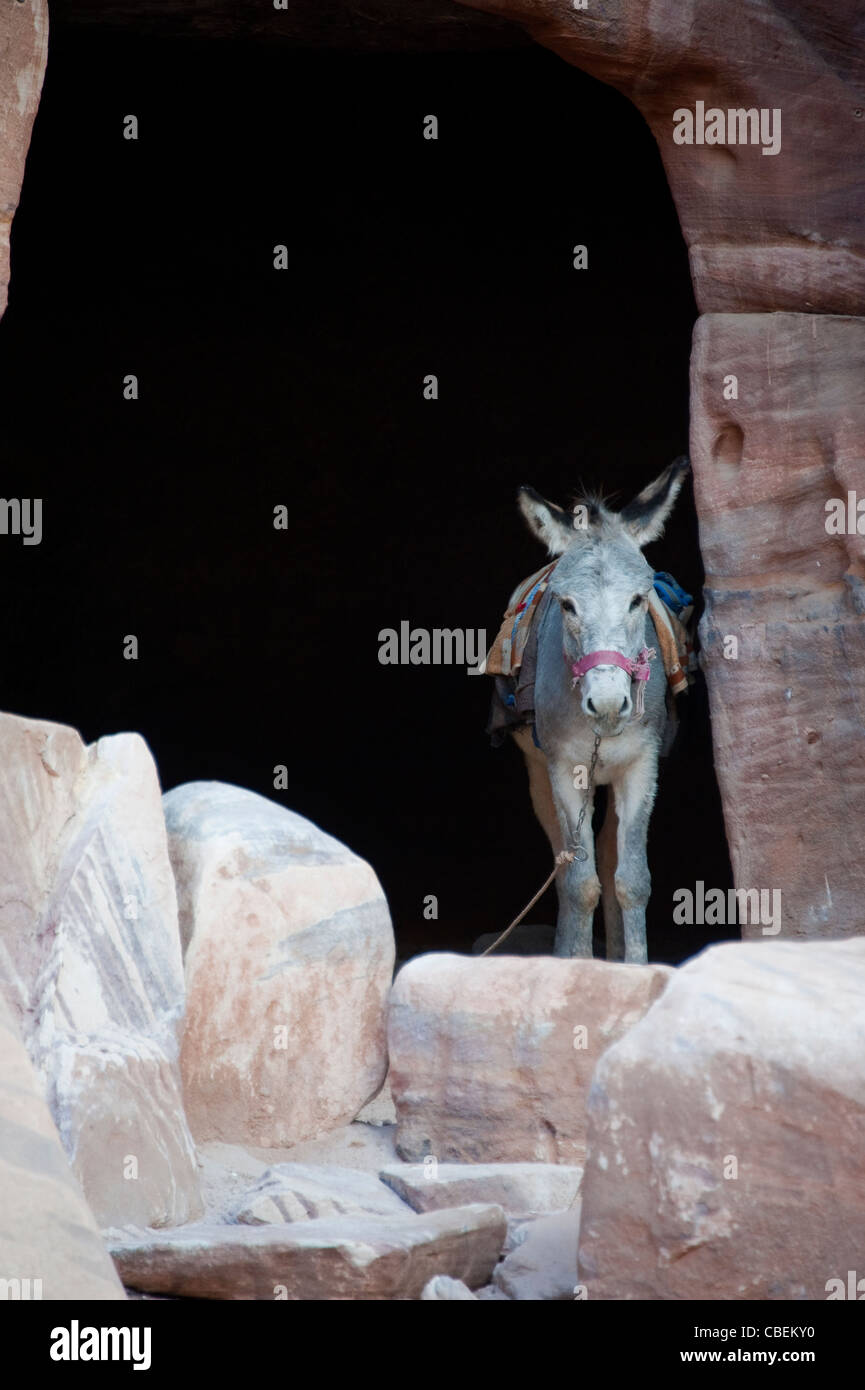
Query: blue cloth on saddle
<point x="671" y="593"/>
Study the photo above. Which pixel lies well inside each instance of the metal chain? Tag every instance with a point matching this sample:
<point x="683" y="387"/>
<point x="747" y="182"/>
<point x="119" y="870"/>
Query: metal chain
<point x="577" y="849"/>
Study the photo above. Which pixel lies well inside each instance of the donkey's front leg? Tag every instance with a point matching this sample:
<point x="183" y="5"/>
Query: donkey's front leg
<point x="614" y="927"/>
<point x="578" y="885"/>
<point x="635" y="796"/>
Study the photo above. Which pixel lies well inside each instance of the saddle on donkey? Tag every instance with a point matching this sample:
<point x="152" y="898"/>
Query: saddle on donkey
<point x="512" y="658"/>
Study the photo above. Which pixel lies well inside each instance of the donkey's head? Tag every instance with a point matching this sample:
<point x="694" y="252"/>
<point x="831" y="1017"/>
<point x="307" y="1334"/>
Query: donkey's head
<point x="602" y="583"/>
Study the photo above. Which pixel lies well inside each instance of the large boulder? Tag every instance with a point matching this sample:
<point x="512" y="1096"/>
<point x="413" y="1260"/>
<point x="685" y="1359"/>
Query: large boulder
<point x="289" y="958"/>
<point x="727" y="1132"/>
<point x="491" y="1060"/>
<point x="361" y="1257"/>
<point x="50" y="1247"/>
<point x="90" y="962"/>
<point x="542" y="1266"/>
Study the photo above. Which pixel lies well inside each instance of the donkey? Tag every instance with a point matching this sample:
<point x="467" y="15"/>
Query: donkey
<point x="593" y="643"/>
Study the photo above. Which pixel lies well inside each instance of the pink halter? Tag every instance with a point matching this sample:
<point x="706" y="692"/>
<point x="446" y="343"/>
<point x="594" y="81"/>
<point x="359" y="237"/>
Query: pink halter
<point x="637" y="667"/>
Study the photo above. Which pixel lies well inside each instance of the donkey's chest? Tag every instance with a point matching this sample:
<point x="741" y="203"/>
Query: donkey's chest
<point x="615" y="755"/>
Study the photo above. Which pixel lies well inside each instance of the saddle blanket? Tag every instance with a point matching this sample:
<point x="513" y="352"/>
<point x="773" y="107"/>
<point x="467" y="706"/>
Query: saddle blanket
<point x="512" y="658"/>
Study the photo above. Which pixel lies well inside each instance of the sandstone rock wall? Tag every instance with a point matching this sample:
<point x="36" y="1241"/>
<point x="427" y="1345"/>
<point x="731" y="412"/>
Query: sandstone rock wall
<point x="23" y="56"/>
<point x="788" y="710"/>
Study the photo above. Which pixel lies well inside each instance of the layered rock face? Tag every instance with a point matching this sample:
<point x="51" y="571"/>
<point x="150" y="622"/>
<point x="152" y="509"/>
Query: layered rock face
<point x="90" y="962"/>
<point x="726" y="1132"/>
<point x="491" y="1060"/>
<point x="289" y="958"/>
<point x="759" y="116"/>
<point x="788" y="699"/>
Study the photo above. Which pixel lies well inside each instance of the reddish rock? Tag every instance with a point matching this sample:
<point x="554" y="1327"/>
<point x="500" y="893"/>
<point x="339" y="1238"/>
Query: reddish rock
<point x="727" y="1130"/>
<point x="374" y="1257"/>
<point x="491" y="1060"/>
<point x="23" y="55"/>
<point x="764" y="232"/>
<point x="788" y="713"/>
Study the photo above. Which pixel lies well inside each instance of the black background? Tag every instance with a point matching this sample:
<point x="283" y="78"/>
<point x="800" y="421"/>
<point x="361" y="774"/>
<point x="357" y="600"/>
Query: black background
<point x="304" y="387"/>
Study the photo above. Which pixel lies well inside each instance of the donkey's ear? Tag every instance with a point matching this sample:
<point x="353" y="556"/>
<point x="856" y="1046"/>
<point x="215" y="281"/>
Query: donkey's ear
<point x="552" y="525"/>
<point x="646" y="515"/>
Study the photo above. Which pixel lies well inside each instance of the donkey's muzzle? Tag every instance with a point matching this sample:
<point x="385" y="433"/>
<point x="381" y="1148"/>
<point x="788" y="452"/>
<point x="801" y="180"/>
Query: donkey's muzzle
<point x="606" y="700"/>
<point x="623" y="711"/>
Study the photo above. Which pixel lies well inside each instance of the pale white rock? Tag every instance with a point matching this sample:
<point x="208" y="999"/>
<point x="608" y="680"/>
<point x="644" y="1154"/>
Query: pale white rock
<point x="517" y="1230"/>
<point x="442" y="1289"/>
<point x="491" y="1060"/>
<point x="50" y="1247"/>
<point x="372" y="1257"/>
<point x="305" y="1192"/>
<point x="289" y="957"/>
<point x="228" y="1171"/>
<point x="543" y="1265"/>
<point x="90" y="962"/>
<point x="727" y="1131"/>
<point x="520" y="1189"/>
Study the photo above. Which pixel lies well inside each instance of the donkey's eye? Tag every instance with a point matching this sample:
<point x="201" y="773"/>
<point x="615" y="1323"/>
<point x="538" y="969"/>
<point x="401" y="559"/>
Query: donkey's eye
<point x="568" y="605"/>
<point x="636" y="601"/>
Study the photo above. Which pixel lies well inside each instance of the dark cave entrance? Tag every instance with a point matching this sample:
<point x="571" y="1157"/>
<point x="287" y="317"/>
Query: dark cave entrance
<point x="303" y="388"/>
